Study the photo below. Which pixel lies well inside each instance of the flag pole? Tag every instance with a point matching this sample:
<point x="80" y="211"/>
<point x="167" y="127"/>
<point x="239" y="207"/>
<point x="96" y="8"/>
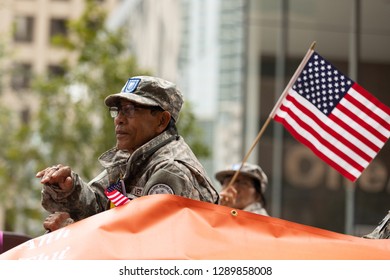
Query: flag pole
<point x="353" y="73"/>
<point x="271" y="115"/>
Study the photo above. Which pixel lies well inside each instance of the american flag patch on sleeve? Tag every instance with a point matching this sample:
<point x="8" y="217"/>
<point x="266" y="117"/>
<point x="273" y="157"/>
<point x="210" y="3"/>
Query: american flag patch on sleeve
<point x="115" y="195"/>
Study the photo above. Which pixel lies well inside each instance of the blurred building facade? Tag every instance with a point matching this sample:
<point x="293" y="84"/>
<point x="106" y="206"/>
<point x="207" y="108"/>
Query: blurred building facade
<point x="26" y="29"/>
<point x="355" y="37"/>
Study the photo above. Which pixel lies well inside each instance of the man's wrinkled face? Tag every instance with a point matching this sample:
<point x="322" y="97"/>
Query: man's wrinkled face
<point x="134" y="129"/>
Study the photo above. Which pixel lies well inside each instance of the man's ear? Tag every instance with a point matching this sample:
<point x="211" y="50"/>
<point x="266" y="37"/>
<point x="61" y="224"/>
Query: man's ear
<point x="165" y="118"/>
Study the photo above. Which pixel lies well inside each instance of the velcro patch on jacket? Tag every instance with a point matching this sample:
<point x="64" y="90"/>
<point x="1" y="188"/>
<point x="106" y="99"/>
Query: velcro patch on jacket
<point x="165" y="182"/>
<point x="160" y="189"/>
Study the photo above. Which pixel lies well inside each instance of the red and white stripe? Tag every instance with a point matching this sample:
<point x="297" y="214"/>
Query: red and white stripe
<point x="349" y="138"/>
<point x="117" y="198"/>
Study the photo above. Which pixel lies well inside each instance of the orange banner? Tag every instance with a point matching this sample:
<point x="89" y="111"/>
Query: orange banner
<point x="172" y="227"/>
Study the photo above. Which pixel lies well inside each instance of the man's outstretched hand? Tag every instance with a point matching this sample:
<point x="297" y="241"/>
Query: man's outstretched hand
<point x="57" y="175"/>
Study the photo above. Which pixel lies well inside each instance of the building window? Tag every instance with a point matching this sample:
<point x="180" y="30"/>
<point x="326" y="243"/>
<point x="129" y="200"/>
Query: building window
<point x="23" y="29"/>
<point x="21" y="76"/>
<point x="56" y="71"/>
<point x="25" y="115"/>
<point x="58" y="27"/>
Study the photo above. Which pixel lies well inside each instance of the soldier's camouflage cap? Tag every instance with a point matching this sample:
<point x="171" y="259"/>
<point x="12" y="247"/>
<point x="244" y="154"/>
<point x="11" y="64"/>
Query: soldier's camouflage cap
<point x="150" y="91"/>
<point x="248" y="169"/>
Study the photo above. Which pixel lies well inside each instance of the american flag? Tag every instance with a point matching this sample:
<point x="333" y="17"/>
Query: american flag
<point x="340" y="121"/>
<point x="114" y="194"/>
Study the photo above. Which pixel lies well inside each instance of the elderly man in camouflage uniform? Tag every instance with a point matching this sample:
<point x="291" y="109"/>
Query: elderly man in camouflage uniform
<point x="149" y="158"/>
<point x="246" y="192"/>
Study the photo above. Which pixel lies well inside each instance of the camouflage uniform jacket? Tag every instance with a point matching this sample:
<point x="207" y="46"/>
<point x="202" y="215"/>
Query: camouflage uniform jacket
<point x="382" y="231"/>
<point x="257" y="208"/>
<point x="163" y="165"/>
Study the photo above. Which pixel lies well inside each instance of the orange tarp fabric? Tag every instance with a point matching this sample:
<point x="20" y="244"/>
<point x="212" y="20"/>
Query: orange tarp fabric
<point x="172" y="227"/>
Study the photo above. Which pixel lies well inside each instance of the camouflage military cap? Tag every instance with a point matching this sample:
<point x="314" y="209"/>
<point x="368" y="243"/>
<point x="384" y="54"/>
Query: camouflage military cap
<point x="150" y="91"/>
<point x="251" y="170"/>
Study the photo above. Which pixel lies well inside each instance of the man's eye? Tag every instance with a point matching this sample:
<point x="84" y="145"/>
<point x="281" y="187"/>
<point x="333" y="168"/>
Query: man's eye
<point x="127" y="109"/>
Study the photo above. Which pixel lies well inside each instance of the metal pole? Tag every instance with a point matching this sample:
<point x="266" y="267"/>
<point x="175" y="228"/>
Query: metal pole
<point x="277" y="163"/>
<point x="354" y="54"/>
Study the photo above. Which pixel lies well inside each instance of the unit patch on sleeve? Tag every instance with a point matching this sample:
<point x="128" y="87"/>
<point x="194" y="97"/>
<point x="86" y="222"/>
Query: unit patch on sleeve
<point x="160" y="189"/>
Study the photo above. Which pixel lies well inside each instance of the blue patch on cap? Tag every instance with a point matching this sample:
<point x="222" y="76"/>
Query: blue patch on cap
<point x="131" y="85"/>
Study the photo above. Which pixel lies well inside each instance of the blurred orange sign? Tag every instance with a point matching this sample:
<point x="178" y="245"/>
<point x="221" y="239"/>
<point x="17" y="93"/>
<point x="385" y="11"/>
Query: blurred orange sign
<point x="173" y="227"/>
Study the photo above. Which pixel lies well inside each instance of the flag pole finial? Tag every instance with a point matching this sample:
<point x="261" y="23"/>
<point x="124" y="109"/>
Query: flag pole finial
<point x="313" y="45"/>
